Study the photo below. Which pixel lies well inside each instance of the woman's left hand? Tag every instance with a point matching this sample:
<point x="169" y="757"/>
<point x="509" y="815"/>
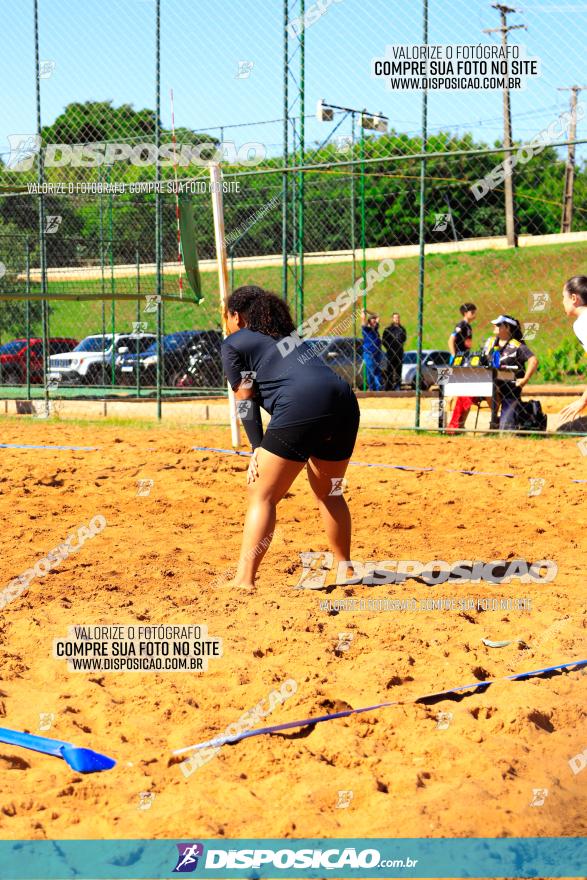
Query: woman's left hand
<point x="253" y="471"/>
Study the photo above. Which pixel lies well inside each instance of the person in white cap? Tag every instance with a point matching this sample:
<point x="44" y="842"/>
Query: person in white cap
<point x="575" y="306"/>
<point x="512" y="353"/>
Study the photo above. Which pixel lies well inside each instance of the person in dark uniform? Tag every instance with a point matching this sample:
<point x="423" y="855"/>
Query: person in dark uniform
<point x="460" y="342"/>
<point x="314" y="423"/>
<point x="513" y="354"/>
<point x="461" y="338"/>
<point x="394" y="338"/>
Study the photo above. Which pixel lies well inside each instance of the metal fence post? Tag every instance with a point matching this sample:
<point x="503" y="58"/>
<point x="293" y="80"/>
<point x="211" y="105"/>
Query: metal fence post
<point x="103" y="286"/>
<point x="112" y="286"/>
<point x="363" y="231"/>
<point x="284" y="183"/>
<point x="354" y="244"/>
<point x="158" y="200"/>
<point x="138" y="365"/>
<point x="422" y="236"/>
<point x="28" y="319"/>
<point x="40" y="180"/>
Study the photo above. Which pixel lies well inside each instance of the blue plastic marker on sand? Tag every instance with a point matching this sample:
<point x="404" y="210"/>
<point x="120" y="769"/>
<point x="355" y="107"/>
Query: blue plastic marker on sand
<point x="82" y="760"/>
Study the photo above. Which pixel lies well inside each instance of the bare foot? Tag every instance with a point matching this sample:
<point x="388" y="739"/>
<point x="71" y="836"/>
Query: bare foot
<point x="237" y="584"/>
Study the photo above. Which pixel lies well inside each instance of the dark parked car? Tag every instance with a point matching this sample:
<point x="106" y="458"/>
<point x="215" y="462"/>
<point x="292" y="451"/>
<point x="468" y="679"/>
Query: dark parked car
<point x="204" y="364"/>
<point x="190" y="357"/>
<point x="13" y="358"/>
<point x="432" y="358"/>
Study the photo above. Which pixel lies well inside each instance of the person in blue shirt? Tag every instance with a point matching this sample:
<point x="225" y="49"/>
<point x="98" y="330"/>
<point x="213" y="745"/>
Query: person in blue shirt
<point x="372" y="350"/>
<point x="314" y="422"/>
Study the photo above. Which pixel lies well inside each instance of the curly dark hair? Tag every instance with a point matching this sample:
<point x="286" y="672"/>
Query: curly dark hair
<point x="243" y="297"/>
<point x="263" y="311"/>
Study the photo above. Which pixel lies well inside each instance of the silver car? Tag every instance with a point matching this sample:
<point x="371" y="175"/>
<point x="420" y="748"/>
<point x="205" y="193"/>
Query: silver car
<point x="432" y="358"/>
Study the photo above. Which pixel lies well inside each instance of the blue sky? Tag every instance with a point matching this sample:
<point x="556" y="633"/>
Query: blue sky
<point x="105" y="50"/>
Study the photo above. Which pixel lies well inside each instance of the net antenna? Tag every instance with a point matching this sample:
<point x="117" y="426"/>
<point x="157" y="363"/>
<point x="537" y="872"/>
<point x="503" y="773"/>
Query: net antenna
<point x="219" y="236"/>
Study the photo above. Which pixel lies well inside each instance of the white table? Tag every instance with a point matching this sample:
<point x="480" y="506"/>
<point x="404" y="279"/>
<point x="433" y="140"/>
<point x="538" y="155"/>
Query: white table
<point x="472" y="382"/>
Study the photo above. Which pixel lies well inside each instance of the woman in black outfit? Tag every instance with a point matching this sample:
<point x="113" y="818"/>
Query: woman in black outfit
<point x="515" y="355"/>
<point x="314" y="423"/>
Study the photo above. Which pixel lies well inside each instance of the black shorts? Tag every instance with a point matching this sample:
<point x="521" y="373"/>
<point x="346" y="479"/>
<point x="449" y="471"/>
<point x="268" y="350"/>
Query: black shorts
<point x="577" y="426"/>
<point x="331" y="438"/>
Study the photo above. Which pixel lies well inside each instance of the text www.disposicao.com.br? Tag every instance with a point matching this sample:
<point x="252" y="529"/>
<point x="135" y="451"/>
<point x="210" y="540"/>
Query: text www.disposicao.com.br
<point x="134" y="664"/>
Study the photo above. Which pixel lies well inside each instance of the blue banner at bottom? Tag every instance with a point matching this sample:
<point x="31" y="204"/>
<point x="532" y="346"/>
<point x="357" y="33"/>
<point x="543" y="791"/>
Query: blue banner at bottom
<point x="512" y="857"/>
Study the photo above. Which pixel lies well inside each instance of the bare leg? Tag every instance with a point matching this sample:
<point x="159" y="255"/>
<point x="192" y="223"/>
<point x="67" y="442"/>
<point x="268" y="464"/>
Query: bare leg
<point x="336" y="516"/>
<point x="275" y="477"/>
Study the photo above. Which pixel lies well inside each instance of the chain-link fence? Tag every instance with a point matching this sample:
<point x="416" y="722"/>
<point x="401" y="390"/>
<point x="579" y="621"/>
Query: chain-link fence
<point x="93" y="298"/>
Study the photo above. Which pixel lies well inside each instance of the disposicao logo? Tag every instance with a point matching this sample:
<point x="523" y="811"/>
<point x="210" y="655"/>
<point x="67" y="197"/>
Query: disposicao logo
<point x="187" y="860"/>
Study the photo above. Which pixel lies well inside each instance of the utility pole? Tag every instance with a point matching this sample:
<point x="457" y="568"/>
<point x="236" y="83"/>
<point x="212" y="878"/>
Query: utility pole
<point x="567" y="217"/>
<point x="510" y="217"/>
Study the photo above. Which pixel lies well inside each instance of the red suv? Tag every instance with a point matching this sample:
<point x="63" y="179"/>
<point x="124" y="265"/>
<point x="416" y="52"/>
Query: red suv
<point x="13" y="357"/>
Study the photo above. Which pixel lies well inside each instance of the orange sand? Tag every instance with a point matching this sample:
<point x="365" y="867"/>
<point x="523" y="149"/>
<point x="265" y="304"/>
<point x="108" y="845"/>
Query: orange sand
<point x="154" y="563"/>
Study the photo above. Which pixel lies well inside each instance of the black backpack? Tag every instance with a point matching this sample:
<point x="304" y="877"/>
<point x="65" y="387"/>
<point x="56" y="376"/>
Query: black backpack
<point x="530" y="416"/>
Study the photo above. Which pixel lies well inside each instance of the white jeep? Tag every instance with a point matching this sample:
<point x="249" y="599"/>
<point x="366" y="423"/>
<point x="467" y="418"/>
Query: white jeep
<point x="90" y="362"/>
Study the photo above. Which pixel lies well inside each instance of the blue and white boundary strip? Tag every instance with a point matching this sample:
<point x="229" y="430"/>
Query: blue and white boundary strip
<point x="33" y="446"/>
<point x="428" y="699"/>
<point x="219" y="449"/>
<point x="396" y="467"/>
